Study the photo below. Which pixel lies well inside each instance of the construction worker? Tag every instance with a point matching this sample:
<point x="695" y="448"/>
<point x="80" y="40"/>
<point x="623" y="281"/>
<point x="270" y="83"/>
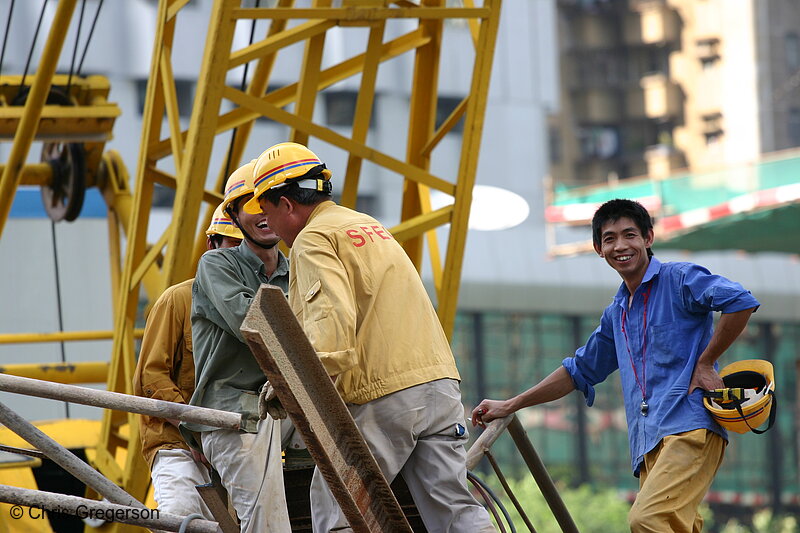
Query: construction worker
<point x="228" y="377"/>
<point x="658" y="333"/>
<point x="165" y="371"/>
<point x="365" y="310"/>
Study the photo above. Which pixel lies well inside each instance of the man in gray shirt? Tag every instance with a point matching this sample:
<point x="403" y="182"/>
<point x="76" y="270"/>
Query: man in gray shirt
<point x="227" y="375"/>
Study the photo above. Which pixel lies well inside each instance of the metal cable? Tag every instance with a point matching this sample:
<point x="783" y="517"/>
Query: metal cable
<point x="58" y="301"/>
<point x="508" y="490"/>
<point x="479" y="482"/>
<point x="242" y="87"/>
<point x="189" y="518"/>
<point x="489" y="502"/>
<point x="75" y="49"/>
<point x="5" y="36"/>
<point x="33" y="46"/>
<point x="89" y="38"/>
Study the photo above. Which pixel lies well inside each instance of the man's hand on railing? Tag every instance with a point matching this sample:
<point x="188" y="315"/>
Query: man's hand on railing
<point x="488" y="410"/>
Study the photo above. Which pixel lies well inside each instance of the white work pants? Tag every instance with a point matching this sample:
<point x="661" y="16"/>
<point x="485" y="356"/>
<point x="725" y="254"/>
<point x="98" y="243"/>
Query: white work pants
<point x="175" y="474"/>
<point x="420" y="434"/>
<point x="249" y="465"/>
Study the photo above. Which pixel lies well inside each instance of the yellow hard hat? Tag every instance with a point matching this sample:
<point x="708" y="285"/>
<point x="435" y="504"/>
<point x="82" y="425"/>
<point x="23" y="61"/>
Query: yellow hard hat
<point x="221" y="224"/>
<point x="748" y="399"/>
<point x="285" y="163"/>
<point x="239" y="184"/>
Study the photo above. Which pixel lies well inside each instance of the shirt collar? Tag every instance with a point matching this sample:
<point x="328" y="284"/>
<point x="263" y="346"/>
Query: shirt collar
<point x="255" y="262"/>
<point x="322" y="206"/>
<point x="283" y="266"/>
<point x="652" y="271"/>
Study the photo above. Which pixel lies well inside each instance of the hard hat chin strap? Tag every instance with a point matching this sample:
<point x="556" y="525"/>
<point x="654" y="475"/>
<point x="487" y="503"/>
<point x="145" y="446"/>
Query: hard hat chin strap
<point x="735" y="396"/>
<point x="246" y="235"/>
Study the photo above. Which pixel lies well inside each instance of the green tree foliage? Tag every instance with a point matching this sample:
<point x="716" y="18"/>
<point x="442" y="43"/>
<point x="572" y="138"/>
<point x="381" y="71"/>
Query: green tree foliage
<point x="764" y="522"/>
<point x="593" y="510"/>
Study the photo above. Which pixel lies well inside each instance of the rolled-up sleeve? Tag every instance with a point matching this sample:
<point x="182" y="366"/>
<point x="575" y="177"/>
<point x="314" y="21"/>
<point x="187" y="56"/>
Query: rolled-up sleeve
<point x="703" y="291"/>
<point x="594" y="361"/>
<point x="326" y="306"/>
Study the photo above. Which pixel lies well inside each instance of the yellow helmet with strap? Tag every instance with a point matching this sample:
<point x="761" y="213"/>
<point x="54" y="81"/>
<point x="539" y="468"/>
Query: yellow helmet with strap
<point x="287" y="163"/>
<point x="748" y="399"/>
<point x="239" y="184"/>
<point x="221" y="224"/>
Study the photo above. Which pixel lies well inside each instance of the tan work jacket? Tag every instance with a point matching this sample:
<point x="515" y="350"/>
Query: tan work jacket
<point x="363" y="306"/>
<point x="165" y="370"/>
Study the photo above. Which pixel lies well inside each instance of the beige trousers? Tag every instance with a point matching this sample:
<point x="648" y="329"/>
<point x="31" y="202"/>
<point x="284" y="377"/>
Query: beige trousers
<point x="420" y="434"/>
<point x="175" y="474"/>
<point x="673" y="480"/>
<point x="249" y="465"/>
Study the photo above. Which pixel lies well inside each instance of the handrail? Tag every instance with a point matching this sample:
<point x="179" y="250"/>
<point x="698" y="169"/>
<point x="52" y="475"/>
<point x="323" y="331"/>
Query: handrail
<point x="539" y="472"/>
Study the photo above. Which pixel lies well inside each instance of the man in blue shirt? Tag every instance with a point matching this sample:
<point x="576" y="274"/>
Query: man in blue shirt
<point x="658" y="332"/>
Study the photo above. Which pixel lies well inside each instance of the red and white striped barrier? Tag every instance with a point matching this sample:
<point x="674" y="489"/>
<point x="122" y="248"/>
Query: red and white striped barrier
<point x="740" y="204"/>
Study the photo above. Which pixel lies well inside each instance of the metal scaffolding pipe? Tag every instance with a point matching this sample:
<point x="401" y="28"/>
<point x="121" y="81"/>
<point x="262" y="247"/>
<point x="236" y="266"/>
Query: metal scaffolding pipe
<point x="38" y="501"/>
<point x="64" y="458"/>
<point x="84" y="372"/>
<point x="485" y="441"/>
<point x="22" y="451"/>
<point x="543" y="479"/>
<point x="120" y="402"/>
<point x="61" y="336"/>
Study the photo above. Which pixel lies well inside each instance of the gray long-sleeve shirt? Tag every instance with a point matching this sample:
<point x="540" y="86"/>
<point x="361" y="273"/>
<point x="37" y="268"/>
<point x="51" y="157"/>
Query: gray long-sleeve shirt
<point x="227" y="375"/>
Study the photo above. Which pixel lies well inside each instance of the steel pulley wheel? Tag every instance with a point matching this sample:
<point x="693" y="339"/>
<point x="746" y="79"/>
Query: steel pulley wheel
<point x="63" y="197"/>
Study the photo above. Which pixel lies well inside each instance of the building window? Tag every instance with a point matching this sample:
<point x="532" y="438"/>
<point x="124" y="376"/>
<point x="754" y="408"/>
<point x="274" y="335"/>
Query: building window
<point x="365" y="203"/>
<point x="791" y="45"/>
<point x="554" y="145"/>
<point x="712" y="129"/>
<point x="709" y="63"/>
<point x="708" y="52"/>
<point x="713" y="138"/>
<point x="657" y="61"/>
<point x="184" y="91"/>
<point x="445" y="105"/>
<point x="599" y="142"/>
<point x="794" y="126"/>
<point x="163" y="196"/>
<point x="340" y="108"/>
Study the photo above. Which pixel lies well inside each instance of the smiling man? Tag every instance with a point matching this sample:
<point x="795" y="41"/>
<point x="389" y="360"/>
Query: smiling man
<point x="227" y="375"/>
<point x="658" y="332"/>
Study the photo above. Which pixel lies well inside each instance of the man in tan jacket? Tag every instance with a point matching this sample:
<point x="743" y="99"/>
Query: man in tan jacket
<point x="363" y="306"/>
<point x="165" y="371"/>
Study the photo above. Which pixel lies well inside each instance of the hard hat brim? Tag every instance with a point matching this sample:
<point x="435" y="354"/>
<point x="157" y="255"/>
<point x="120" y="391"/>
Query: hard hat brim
<point x="252" y="206"/>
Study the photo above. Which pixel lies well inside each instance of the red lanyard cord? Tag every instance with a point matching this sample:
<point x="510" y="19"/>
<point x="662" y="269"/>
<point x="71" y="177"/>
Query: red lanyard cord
<point x="643" y="383"/>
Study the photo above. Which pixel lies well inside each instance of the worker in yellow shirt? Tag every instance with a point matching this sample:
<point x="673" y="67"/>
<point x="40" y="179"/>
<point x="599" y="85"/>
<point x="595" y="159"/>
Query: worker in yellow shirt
<point x="165" y="371"/>
<point x="365" y="310"/>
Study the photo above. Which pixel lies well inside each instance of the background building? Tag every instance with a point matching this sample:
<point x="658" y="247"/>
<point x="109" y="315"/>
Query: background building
<point x="651" y="87"/>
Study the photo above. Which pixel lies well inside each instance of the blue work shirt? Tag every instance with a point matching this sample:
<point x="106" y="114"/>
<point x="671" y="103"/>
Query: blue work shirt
<point x="681" y="298"/>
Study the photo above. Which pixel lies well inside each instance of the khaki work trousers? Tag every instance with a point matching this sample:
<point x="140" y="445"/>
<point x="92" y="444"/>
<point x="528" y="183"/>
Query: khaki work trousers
<point x="674" y="478"/>
<point x="420" y="434"/>
<point x="250" y="467"/>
